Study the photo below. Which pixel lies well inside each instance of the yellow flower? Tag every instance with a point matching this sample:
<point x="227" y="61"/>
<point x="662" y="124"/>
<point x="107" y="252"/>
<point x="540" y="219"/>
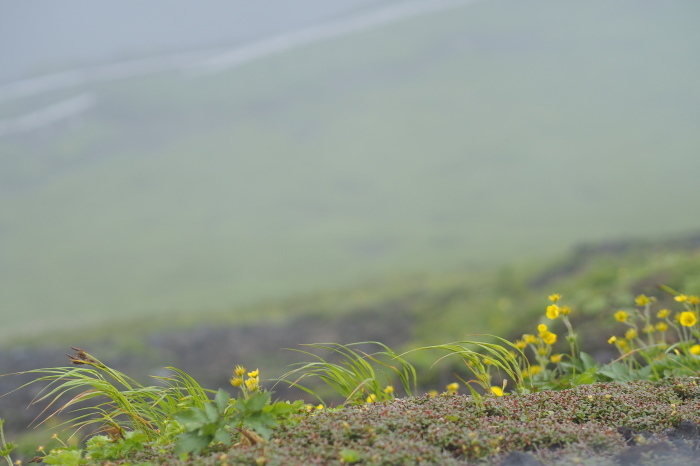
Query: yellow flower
<point x="621" y="316"/>
<point x="371" y="398"/>
<point x="663" y="313"/>
<point x="687" y="319"/>
<point x="555" y="358"/>
<point x="433" y="393"/>
<point x="389" y="390"/>
<point x="554" y="297"/>
<point x="240" y="370"/>
<point x="642" y="300"/>
<point x="530" y="339"/>
<point x="622" y="344"/>
<point x="648" y="329"/>
<point x="695" y="349"/>
<point x="252" y="384"/>
<point x="612" y="339"/>
<point x="534" y="370"/>
<point x="498" y="391"/>
<point x="631" y="334"/>
<point x="549" y="338"/>
<point x="320" y="406"/>
<point x="542" y="350"/>
<point x="661" y="327"/>
<point x="254" y="373"/>
<point x="453" y="387"/>
<point x="542" y="328"/>
<point x="236" y="381"/>
<point x="520" y="344"/>
<point x="565" y="310"/>
<point x="694" y="299"/>
<point x="681" y="298"/>
<point x="552" y="311"/>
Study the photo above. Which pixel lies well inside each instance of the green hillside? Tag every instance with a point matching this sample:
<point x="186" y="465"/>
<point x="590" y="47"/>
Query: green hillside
<point x="498" y="132"/>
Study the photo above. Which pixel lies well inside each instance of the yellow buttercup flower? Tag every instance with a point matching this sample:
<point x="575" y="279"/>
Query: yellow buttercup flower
<point x="648" y="329"/>
<point x="565" y="310"/>
<point x="554" y="297"/>
<point x="687" y="319"/>
<point x="622" y="344"/>
<point x="240" y="370"/>
<point x="432" y="393"/>
<point x="252" y="384"/>
<point x="389" y="390"/>
<point x="631" y="334"/>
<point x="549" y="338"/>
<point x="534" y="370"/>
<point x="254" y="373"/>
<point x="695" y="349"/>
<point x="552" y="311"/>
<point x="236" y="381"/>
<point x="542" y="328"/>
<point x="621" y="316"/>
<point x="520" y="344"/>
<point x="663" y="313"/>
<point x="661" y="326"/>
<point x="498" y="391"/>
<point x="453" y="387"/>
<point x="612" y="339"/>
<point x="542" y="351"/>
<point x="529" y="339"/>
<point x="556" y="358"/>
<point x="642" y="300"/>
<point x="694" y="299"/>
<point x="371" y="398"/>
<point x="681" y="298"/>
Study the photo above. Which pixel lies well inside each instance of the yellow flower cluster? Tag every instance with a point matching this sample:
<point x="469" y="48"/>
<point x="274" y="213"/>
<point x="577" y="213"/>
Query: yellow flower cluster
<point x="541" y="344"/>
<point x="250" y="384"/>
<point x="685" y="324"/>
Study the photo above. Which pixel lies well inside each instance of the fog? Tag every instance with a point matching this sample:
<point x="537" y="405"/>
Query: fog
<point x="176" y="156"/>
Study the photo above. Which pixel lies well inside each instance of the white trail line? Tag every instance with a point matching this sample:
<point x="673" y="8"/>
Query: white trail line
<point x="283" y="42"/>
<point x="215" y="60"/>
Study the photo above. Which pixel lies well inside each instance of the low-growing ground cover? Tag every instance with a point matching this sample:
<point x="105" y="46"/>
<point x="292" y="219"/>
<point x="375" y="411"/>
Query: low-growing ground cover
<point x="601" y="424"/>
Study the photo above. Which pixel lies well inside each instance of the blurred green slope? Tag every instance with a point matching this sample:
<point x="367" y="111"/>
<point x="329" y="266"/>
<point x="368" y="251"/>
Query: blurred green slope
<point x="493" y="133"/>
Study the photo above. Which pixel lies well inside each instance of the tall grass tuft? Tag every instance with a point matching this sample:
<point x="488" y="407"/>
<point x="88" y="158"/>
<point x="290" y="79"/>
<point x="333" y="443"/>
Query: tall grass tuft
<point x="122" y="404"/>
<point x="481" y="357"/>
<point x="359" y="377"/>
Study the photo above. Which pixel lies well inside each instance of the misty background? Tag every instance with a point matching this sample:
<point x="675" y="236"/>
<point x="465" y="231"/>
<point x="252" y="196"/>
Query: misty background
<point x="190" y="157"/>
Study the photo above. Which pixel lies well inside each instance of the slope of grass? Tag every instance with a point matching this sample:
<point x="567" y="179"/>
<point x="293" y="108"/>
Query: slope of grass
<point x="493" y="133"/>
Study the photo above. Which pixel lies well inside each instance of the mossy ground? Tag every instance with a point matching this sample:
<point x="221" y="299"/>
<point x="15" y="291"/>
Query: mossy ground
<point x="600" y="424"/>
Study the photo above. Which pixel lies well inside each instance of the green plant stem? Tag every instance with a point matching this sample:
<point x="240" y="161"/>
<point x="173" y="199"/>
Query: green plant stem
<point x="4" y="445"/>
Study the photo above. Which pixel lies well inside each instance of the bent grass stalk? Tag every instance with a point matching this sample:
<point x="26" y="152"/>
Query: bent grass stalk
<point x="497" y="355"/>
<point x="357" y="375"/>
<point x="128" y="403"/>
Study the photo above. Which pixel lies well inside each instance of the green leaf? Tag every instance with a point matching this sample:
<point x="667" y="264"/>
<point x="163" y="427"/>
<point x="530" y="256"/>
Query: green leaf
<point x="257" y="402"/>
<point x="191" y="442"/>
<point x="9" y="446"/>
<point x="222" y="436"/>
<point x="350" y="456"/>
<point x="585" y="378"/>
<point x="211" y="412"/>
<point x="221" y="400"/>
<point x="587" y="360"/>
<point x="191" y="418"/>
<point x="65" y="458"/>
